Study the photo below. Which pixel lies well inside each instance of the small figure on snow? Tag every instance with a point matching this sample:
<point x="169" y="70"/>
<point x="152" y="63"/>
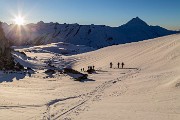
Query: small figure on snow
<point x="122" y="65"/>
<point x="111" y="64"/>
<point x="118" y="64"/>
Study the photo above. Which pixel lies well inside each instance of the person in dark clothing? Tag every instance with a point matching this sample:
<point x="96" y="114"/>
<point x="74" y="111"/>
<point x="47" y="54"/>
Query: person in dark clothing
<point x="90" y="68"/>
<point x="118" y="64"/>
<point x="111" y="64"/>
<point x="93" y="67"/>
<point x="122" y="64"/>
<point x="83" y="69"/>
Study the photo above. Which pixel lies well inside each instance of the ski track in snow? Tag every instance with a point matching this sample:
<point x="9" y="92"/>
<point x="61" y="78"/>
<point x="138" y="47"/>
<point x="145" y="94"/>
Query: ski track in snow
<point x="82" y="105"/>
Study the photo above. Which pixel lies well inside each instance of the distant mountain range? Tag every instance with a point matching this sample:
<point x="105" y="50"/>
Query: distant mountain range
<point x="96" y="36"/>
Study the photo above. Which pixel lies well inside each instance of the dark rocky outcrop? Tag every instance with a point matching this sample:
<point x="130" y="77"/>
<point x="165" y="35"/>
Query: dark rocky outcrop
<point x="78" y="76"/>
<point x="50" y="71"/>
<point x="6" y="60"/>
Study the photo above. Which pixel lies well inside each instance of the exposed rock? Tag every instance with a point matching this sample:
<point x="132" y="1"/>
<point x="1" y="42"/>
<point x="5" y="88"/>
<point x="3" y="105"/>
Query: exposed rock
<point x="78" y="76"/>
<point x="4" y="42"/>
<point x="50" y="71"/>
<point x="6" y="60"/>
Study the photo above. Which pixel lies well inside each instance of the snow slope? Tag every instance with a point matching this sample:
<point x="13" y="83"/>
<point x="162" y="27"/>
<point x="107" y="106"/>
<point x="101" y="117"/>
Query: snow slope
<point x="96" y="36"/>
<point x="147" y="89"/>
<point x="149" y="93"/>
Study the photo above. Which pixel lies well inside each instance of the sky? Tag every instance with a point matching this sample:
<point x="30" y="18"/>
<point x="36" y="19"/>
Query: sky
<point x="165" y="13"/>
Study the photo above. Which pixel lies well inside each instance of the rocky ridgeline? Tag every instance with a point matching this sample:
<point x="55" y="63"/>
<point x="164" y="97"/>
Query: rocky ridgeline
<point x="96" y="36"/>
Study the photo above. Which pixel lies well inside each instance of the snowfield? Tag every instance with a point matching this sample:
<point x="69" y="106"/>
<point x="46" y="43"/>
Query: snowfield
<point x="146" y="89"/>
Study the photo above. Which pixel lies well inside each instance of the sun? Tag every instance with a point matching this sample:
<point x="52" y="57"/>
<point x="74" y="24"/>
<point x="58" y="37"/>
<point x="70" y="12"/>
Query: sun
<point x="19" y="20"/>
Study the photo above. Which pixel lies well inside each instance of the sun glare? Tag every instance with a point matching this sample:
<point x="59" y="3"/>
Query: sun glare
<point x="19" y="20"/>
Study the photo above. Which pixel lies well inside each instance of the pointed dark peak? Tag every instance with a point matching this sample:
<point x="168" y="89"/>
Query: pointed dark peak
<point x="136" y="22"/>
<point x="137" y="19"/>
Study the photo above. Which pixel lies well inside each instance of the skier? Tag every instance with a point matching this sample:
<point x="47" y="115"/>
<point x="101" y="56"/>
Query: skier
<point x="93" y="67"/>
<point x="122" y="64"/>
<point x="118" y="64"/>
<point x="111" y="64"/>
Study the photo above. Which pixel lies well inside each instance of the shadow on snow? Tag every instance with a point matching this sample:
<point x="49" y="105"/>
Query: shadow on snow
<point x="12" y="76"/>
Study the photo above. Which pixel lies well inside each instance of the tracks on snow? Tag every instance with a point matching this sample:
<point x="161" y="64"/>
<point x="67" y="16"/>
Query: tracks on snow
<point x="82" y="101"/>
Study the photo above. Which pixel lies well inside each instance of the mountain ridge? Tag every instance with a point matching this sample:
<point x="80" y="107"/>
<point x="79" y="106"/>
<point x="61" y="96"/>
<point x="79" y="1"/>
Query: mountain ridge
<point x="96" y="36"/>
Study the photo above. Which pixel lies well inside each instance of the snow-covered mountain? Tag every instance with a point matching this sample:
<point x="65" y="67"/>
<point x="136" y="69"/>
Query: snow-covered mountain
<point x="96" y="36"/>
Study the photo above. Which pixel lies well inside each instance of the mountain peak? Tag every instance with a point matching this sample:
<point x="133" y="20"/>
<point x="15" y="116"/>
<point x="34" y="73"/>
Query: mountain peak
<point x="136" y="22"/>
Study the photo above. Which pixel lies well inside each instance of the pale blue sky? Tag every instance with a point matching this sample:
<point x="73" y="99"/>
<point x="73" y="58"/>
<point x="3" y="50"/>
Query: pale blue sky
<point x="165" y="13"/>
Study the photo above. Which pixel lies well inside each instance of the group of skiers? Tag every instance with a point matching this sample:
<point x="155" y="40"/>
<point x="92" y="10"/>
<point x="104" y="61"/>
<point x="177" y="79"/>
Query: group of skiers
<point x="90" y="68"/>
<point x="122" y="64"/>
